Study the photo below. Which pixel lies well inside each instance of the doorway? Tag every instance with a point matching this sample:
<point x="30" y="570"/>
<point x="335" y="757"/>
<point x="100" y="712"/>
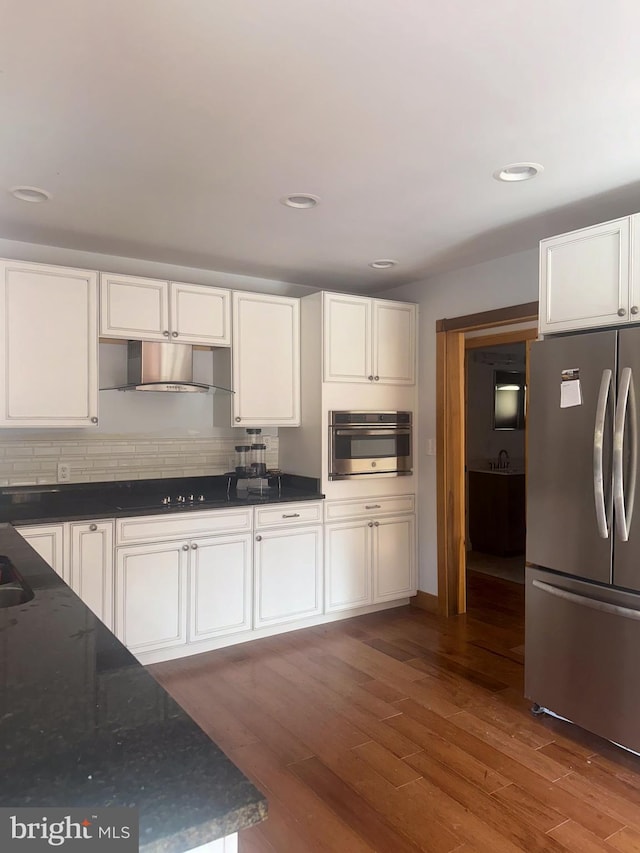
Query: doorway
<point x="495" y="467"/>
<point x="455" y="337"/>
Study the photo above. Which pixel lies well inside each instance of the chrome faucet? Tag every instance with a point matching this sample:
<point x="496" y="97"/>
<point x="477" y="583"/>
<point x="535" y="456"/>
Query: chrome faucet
<point x="503" y="459"/>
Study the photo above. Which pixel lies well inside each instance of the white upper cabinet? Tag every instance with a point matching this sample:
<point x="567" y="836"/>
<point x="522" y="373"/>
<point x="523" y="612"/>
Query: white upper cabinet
<point x="394" y="336"/>
<point x="144" y="309"/>
<point x="200" y="315"/>
<point x="266" y="360"/>
<point x="368" y="340"/>
<point x="49" y="328"/>
<point x="586" y="278"/>
<point x="347" y="338"/>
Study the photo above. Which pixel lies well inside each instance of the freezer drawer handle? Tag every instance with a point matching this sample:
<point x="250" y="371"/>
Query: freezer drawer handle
<point x="598" y="440"/>
<point x="624" y="508"/>
<point x="593" y="603"/>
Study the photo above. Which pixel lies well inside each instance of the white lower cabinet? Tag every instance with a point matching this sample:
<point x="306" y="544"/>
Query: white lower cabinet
<point x="48" y="541"/>
<point x="91" y="565"/>
<point x="348" y="565"/>
<point x="368" y="560"/>
<point x="288" y="569"/>
<point x="151" y="595"/>
<point x="167" y="584"/>
<point x="219" y="586"/>
<point x="81" y="552"/>
<point x="393" y="558"/>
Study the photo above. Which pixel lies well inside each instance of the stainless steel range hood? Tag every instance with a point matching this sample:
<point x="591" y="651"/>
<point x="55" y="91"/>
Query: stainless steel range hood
<point x="160" y="366"/>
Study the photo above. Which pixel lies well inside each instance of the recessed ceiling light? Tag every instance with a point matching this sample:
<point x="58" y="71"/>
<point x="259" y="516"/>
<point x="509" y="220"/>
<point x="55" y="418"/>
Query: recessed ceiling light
<point x="518" y="172"/>
<point x="302" y="201"/>
<point x="35" y="195"/>
<point x="383" y="264"/>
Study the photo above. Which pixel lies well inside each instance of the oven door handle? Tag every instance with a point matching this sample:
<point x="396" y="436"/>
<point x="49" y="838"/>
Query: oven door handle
<point x="359" y="431"/>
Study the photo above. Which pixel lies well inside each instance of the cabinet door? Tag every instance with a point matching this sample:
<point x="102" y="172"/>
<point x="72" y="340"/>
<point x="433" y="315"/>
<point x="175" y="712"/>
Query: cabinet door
<point x="288" y="575"/>
<point x="394" y="558"/>
<point x="394" y="342"/>
<point x="91" y="566"/>
<point x="151" y="596"/>
<point x="200" y="315"/>
<point x="634" y="287"/>
<point x="134" y="308"/>
<point x="584" y="278"/>
<point x="47" y="540"/>
<point x="220" y="586"/>
<point x="266" y="360"/>
<point x="49" y="328"/>
<point x="347" y="338"/>
<point x="347" y="565"/>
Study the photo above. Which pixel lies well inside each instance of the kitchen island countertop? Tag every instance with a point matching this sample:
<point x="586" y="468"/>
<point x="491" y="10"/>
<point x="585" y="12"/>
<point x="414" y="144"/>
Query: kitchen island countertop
<point x="82" y="723"/>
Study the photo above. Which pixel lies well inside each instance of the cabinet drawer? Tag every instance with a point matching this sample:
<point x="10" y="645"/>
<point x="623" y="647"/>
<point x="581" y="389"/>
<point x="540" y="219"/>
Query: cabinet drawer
<point x="288" y="515"/>
<point x="155" y="528"/>
<point x="367" y="507"/>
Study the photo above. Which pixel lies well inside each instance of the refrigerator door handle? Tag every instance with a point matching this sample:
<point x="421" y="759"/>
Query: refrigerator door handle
<point x="598" y="440"/>
<point x="624" y="508"/>
<point x="593" y="603"/>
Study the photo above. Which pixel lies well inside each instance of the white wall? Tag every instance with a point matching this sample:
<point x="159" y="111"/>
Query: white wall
<point x="495" y="284"/>
<point x="17" y="250"/>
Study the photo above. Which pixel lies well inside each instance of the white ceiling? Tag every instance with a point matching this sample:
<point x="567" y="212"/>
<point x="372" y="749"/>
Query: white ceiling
<point x="170" y="129"/>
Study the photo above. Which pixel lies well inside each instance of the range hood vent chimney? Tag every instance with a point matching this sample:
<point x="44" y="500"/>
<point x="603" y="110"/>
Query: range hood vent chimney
<point x="162" y="366"/>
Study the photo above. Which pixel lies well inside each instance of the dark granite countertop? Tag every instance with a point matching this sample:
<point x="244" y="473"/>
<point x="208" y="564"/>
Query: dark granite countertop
<point x="82" y="723"/>
<point x="74" y="502"/>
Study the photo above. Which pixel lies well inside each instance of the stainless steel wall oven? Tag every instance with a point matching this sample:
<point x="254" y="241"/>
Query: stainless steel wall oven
<point x="370" y="444"/>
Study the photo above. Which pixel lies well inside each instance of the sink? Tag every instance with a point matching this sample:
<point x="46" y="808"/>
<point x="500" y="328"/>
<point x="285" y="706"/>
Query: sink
<point x="13" y="590"/>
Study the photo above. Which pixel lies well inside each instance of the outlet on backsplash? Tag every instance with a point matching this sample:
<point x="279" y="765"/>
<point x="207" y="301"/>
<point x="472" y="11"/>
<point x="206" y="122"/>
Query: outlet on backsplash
<point x="64" y="472"/>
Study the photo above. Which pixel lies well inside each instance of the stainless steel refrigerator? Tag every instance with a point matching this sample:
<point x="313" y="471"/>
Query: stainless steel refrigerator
<point x="582" y="646"/>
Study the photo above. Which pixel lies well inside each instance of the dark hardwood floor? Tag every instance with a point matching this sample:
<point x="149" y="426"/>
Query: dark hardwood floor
<point x="401" y="732"/>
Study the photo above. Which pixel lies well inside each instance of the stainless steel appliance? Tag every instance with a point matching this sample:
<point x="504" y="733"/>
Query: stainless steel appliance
<point x="161" y="366"/>
<point x="370" y="444"/>
<point x="582" y="647"/>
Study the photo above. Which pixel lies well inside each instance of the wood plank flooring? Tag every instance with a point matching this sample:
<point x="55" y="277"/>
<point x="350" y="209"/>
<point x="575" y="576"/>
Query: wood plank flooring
<point x="401" y="732"/>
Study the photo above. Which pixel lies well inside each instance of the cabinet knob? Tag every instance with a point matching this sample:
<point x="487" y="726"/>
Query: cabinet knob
<point x="194" y="546"/>
<point x="376" y="524"/>
<point x="370" y="378"/>
<point x="258" y="538"/>
<point x="94" y="420"/>
<point x="174" y="334"/>
<point x="238" y="420"/>
<point x="185" y="547"/>
<point x="376" y="378"/>
<point x="166" y="333"/>
<point x="621" y="312"/>
<point x="370" y="524"/>
<point x="634" y="309"/>
<point x="93" y="527"/>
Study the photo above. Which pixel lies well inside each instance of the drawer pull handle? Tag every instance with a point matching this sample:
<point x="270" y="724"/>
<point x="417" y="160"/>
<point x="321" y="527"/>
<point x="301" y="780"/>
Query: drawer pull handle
<point x="93" y="527"/>
<point x="372" y="506"/>
<point x="291" y="515"/>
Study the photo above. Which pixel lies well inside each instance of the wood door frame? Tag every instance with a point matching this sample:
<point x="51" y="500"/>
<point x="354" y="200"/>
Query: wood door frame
<point x="451" y="346"/>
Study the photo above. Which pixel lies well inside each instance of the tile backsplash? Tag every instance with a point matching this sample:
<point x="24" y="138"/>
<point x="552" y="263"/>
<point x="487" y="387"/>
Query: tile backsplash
<point x="33" y="461"/>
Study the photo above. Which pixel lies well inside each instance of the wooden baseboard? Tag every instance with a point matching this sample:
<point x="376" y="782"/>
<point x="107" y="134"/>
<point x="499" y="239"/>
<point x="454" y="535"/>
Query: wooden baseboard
<point x="425" y="601"/>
